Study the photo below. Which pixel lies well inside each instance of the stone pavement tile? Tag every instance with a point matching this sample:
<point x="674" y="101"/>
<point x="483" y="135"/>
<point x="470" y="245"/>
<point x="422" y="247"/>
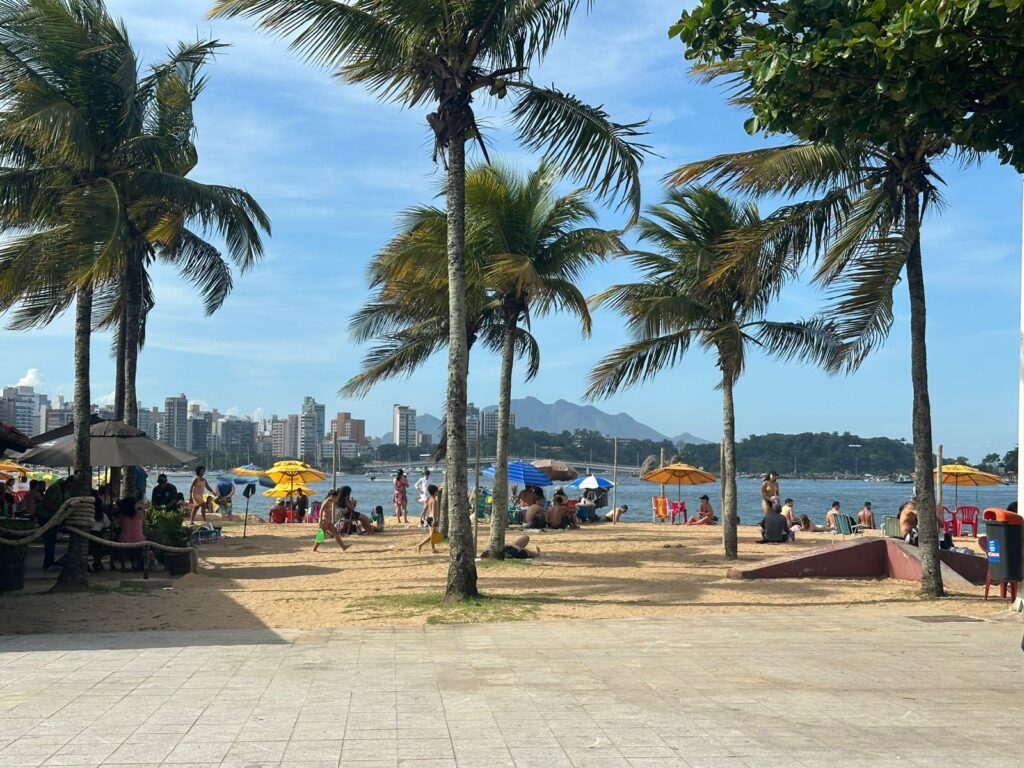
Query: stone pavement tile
<point x="363" y="734"/>
<point x="33" y="745"/>
<point x="634" y="737"/>
<point x="198" y="752"/>
<point x="422" y="749"/>
<point x="539" y="757"/>
<point x="415" y="762"/>
<point x="482" y="762"/>
<point x="322" y="750"/>
<point x="356" y="750"/>
<point x="597" y="758"/>
<point x="256" y="751"/>
<point x="308" y="763"/>
<point x="140" y="752"/>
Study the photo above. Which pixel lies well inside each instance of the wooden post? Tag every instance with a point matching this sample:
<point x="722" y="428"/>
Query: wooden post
<point x="615" y="474"/>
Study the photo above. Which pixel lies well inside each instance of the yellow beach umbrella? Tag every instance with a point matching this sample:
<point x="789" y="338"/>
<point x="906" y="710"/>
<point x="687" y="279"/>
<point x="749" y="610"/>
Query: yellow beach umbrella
<point x="13" y="468"/>
<point x="294" y="473"/>
<point x="4" y="477"/>
<point x="961" y="474"/>
<point x="46" y="477"/>
<point x="286" y="490"/>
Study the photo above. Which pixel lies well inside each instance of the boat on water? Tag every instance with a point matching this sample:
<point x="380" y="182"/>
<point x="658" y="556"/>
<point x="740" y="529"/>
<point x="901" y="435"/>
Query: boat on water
<point x="902" y="479"/>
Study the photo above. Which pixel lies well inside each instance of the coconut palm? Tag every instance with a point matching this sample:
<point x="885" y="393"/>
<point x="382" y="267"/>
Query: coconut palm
<point x="862" y="225"/>
<point x="538" y="246"/>
<point x="446" y="53"/>
<point x="676" y="306"/>
<point x="93" y="186"/>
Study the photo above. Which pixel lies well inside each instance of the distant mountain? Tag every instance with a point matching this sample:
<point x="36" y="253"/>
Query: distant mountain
<point x="430" y="425"/>
<point x="563" y="415"/>
<point x="687" y="439"/>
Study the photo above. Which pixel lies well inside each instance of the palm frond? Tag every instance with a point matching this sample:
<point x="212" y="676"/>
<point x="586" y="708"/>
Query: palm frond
<point x="636" y="362"/>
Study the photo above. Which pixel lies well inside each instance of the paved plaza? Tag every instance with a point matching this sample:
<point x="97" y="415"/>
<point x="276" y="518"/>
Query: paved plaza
<point x="827" y="688"/>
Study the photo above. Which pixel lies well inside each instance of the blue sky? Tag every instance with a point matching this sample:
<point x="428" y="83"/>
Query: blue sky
<point x="332" y="167"/>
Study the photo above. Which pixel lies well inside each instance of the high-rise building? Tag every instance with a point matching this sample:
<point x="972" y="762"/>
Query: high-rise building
<point x="53" y="418"/>
<point x="236" y="435"/>
<point x="291" y="436"/>
<point x="490" y="422"/>
<point x="279" y="438"/>
<point x="21" y="406"/>
<point x="312" y="426"/>
<point x="148" y="420"/>
<point x="403" y="422"/>
<point x="198" y="433"/>
<point x="347" y="428"/>
<point x="175" y="422"/>
<point x="472" y="424"/>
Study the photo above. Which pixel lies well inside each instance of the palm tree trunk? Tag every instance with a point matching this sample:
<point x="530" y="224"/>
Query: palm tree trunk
<point x="74" y="575"/>
<point x="114" y="478"/>
<point x="499" y="510"/>
<point x="927" y="524"/>
<point x="461" y="566"/>
<point x="729" y="520"/>
<point x="133" y="322"/>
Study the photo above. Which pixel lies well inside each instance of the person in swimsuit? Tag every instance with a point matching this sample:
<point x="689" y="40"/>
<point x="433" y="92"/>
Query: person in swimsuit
<point x="401" y="496"/>
<point x="517" y="550"/>
<point x="769" y="488"/>
<point x="327" y="522"/>
<point x="430" y="513"/>
<point x="705" y="515"/>
<point x="867" y="516"/>
<point x="832" y="517"/>
<point x="197" y="500"/>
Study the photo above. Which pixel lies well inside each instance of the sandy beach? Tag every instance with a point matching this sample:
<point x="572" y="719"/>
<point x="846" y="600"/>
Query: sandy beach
<point x="272" y="579"/>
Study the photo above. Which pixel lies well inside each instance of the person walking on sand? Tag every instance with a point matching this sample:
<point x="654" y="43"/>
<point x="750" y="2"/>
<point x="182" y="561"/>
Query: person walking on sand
<point x="197" y="495"/>
<point x="769" y="488"/>
<point x="421" y="495"/>
<point x="401" y="496"/>
<point x="327" y="526"/>
<point x="430" y="513"/>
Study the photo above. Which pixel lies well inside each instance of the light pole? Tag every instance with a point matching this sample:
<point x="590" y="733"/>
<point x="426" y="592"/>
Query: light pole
<point x="855" y="457"/>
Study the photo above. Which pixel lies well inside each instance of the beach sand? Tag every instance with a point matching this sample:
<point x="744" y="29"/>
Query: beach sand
<point x="271" y="579"/>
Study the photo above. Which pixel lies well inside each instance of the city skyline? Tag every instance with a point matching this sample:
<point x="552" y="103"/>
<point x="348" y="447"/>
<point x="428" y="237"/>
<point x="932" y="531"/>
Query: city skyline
<point x="335" y="203"/>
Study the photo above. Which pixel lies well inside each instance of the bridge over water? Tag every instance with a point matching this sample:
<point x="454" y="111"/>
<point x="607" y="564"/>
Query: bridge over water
<point x="583" y="467"/>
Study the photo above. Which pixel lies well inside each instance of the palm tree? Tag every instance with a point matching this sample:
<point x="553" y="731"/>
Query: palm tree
<point x="446" y="53"/>
<point x="678" y="304"/>
<point x="862" y="225"/>
<point x="94" y="184"/>
<point x="537" y="250"/>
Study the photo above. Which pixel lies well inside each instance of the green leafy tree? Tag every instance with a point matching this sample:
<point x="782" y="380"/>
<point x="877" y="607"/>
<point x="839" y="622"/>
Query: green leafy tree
<point x="884" y="91"/>
<point x="696" y="290"/>
<point x="447" y="53"/>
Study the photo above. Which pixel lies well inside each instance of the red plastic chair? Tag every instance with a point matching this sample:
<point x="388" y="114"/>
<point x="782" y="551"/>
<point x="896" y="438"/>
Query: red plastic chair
<point x="949" y="521"/>
<point x="289" y="515"/>
<point x="678" y="508"/>
<point x="277" y="515"/>
<point x="968" y="518"/>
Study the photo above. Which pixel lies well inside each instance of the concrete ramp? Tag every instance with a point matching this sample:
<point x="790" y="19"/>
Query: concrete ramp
<point x="866" y="558"/>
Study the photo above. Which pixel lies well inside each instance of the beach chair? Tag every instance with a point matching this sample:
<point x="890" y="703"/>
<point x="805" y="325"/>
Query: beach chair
<point x="846" y="526"/>
<point x="206" y="534"/>
<point x="659" y="509"/>
<point x="678" y="508"/>
<point x="891" y="527"/>
<point x="950" y="523"/>
<point x="967" y="518"/>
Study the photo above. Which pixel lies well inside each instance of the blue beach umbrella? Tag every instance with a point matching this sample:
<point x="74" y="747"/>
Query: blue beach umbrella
<point x="522" y="473"/>
<point x="590" y="482"/>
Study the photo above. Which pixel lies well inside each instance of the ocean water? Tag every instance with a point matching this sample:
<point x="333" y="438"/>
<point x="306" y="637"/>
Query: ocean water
<point x="811" y="497"/>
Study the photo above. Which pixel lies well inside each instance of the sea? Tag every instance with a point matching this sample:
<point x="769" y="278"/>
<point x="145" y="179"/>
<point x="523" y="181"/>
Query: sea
<point x="811" y="497"/>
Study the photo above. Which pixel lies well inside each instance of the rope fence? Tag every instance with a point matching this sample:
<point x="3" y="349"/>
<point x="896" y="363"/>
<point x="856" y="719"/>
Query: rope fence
<point x="79" y="515"/>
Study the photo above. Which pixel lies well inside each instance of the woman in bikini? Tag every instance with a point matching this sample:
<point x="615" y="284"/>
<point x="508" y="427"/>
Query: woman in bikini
<point x="769" y="488"/>
<point x="197" y="495"/>
<point x="401" y="496"/>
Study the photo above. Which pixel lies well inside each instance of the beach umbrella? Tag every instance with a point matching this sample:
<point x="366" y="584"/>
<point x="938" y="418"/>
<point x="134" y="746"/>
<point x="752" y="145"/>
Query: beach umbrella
<point x="111" y="444"/>
<point x="295" y="473"/>
<point x="247" y="474"/>
<point x="959" y="475"/>
<point x="5" y="477"/>
<point x="13" y="468"/>
<point x="522" y="473"/>
<point x="590" y="482"/>
<point x="284" y="491"/>
<point x="678" y="474"/>
<point x="555" y="469"/>
<point x="46" y="477"/>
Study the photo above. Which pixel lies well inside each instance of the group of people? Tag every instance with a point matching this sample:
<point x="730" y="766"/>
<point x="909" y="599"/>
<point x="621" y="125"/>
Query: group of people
<point x="780" y="522"/>
<point x="339" y="517"/>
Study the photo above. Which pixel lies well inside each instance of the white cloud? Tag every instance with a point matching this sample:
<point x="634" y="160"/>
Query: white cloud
<point x="259" y="414"/>
<point x="107" y="399"/>
<point x="32" y="378"/>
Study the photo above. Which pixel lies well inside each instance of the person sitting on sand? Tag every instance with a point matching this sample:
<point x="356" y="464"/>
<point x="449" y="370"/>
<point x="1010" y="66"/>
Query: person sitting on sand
<point x="517" y="550"/>
<point x="534" y="517"/>
<point x="787" y="512"/>
<point x="559" y="517"/>
<point x="430" y="514"/>
<point x="705" y="515"/>
<point x="327" y="526"/>
<point x="198" y="501"/>
<point x="559" y="497"/>
<point x="164" y="493"/>
<point x="908" y="520"/>
<point x="807" y="525"/>
<point x="527" y="497"/>
<point x="346" y="508"/>
<point x="866" y="517"/>
<point x="615" y="514"/>
<point x="774" y="527"/>
<point x="832" y="517"/>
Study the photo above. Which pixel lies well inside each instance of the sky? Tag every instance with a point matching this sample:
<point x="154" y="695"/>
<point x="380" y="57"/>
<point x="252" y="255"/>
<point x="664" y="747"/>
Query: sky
<point x="333" y="167"/>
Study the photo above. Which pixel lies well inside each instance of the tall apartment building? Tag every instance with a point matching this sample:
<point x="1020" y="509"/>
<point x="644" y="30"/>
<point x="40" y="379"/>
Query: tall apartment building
<point x="53" y="418"/>
<point x="291" y="436"/>
<point x="279" y="438"/>
<point x="20" y="406"/>
<point x="345" y="427"/>
<point x="403" y="422"/>
<point x="198" y="429"/>
<point x="148" y="420"/>
<point x="236" y="435"/>
<point x="312" y="426"/>
<point x="490" y="422"/>
<point x="175" y="422"/>
<point x="472" y="424"/>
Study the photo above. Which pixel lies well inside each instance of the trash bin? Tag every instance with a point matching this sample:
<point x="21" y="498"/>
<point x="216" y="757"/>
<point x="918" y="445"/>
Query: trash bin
<point x="1003" y="529"/>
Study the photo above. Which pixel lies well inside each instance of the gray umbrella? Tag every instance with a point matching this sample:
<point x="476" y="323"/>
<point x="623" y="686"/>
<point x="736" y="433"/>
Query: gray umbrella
<point x="111" y="444"/>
